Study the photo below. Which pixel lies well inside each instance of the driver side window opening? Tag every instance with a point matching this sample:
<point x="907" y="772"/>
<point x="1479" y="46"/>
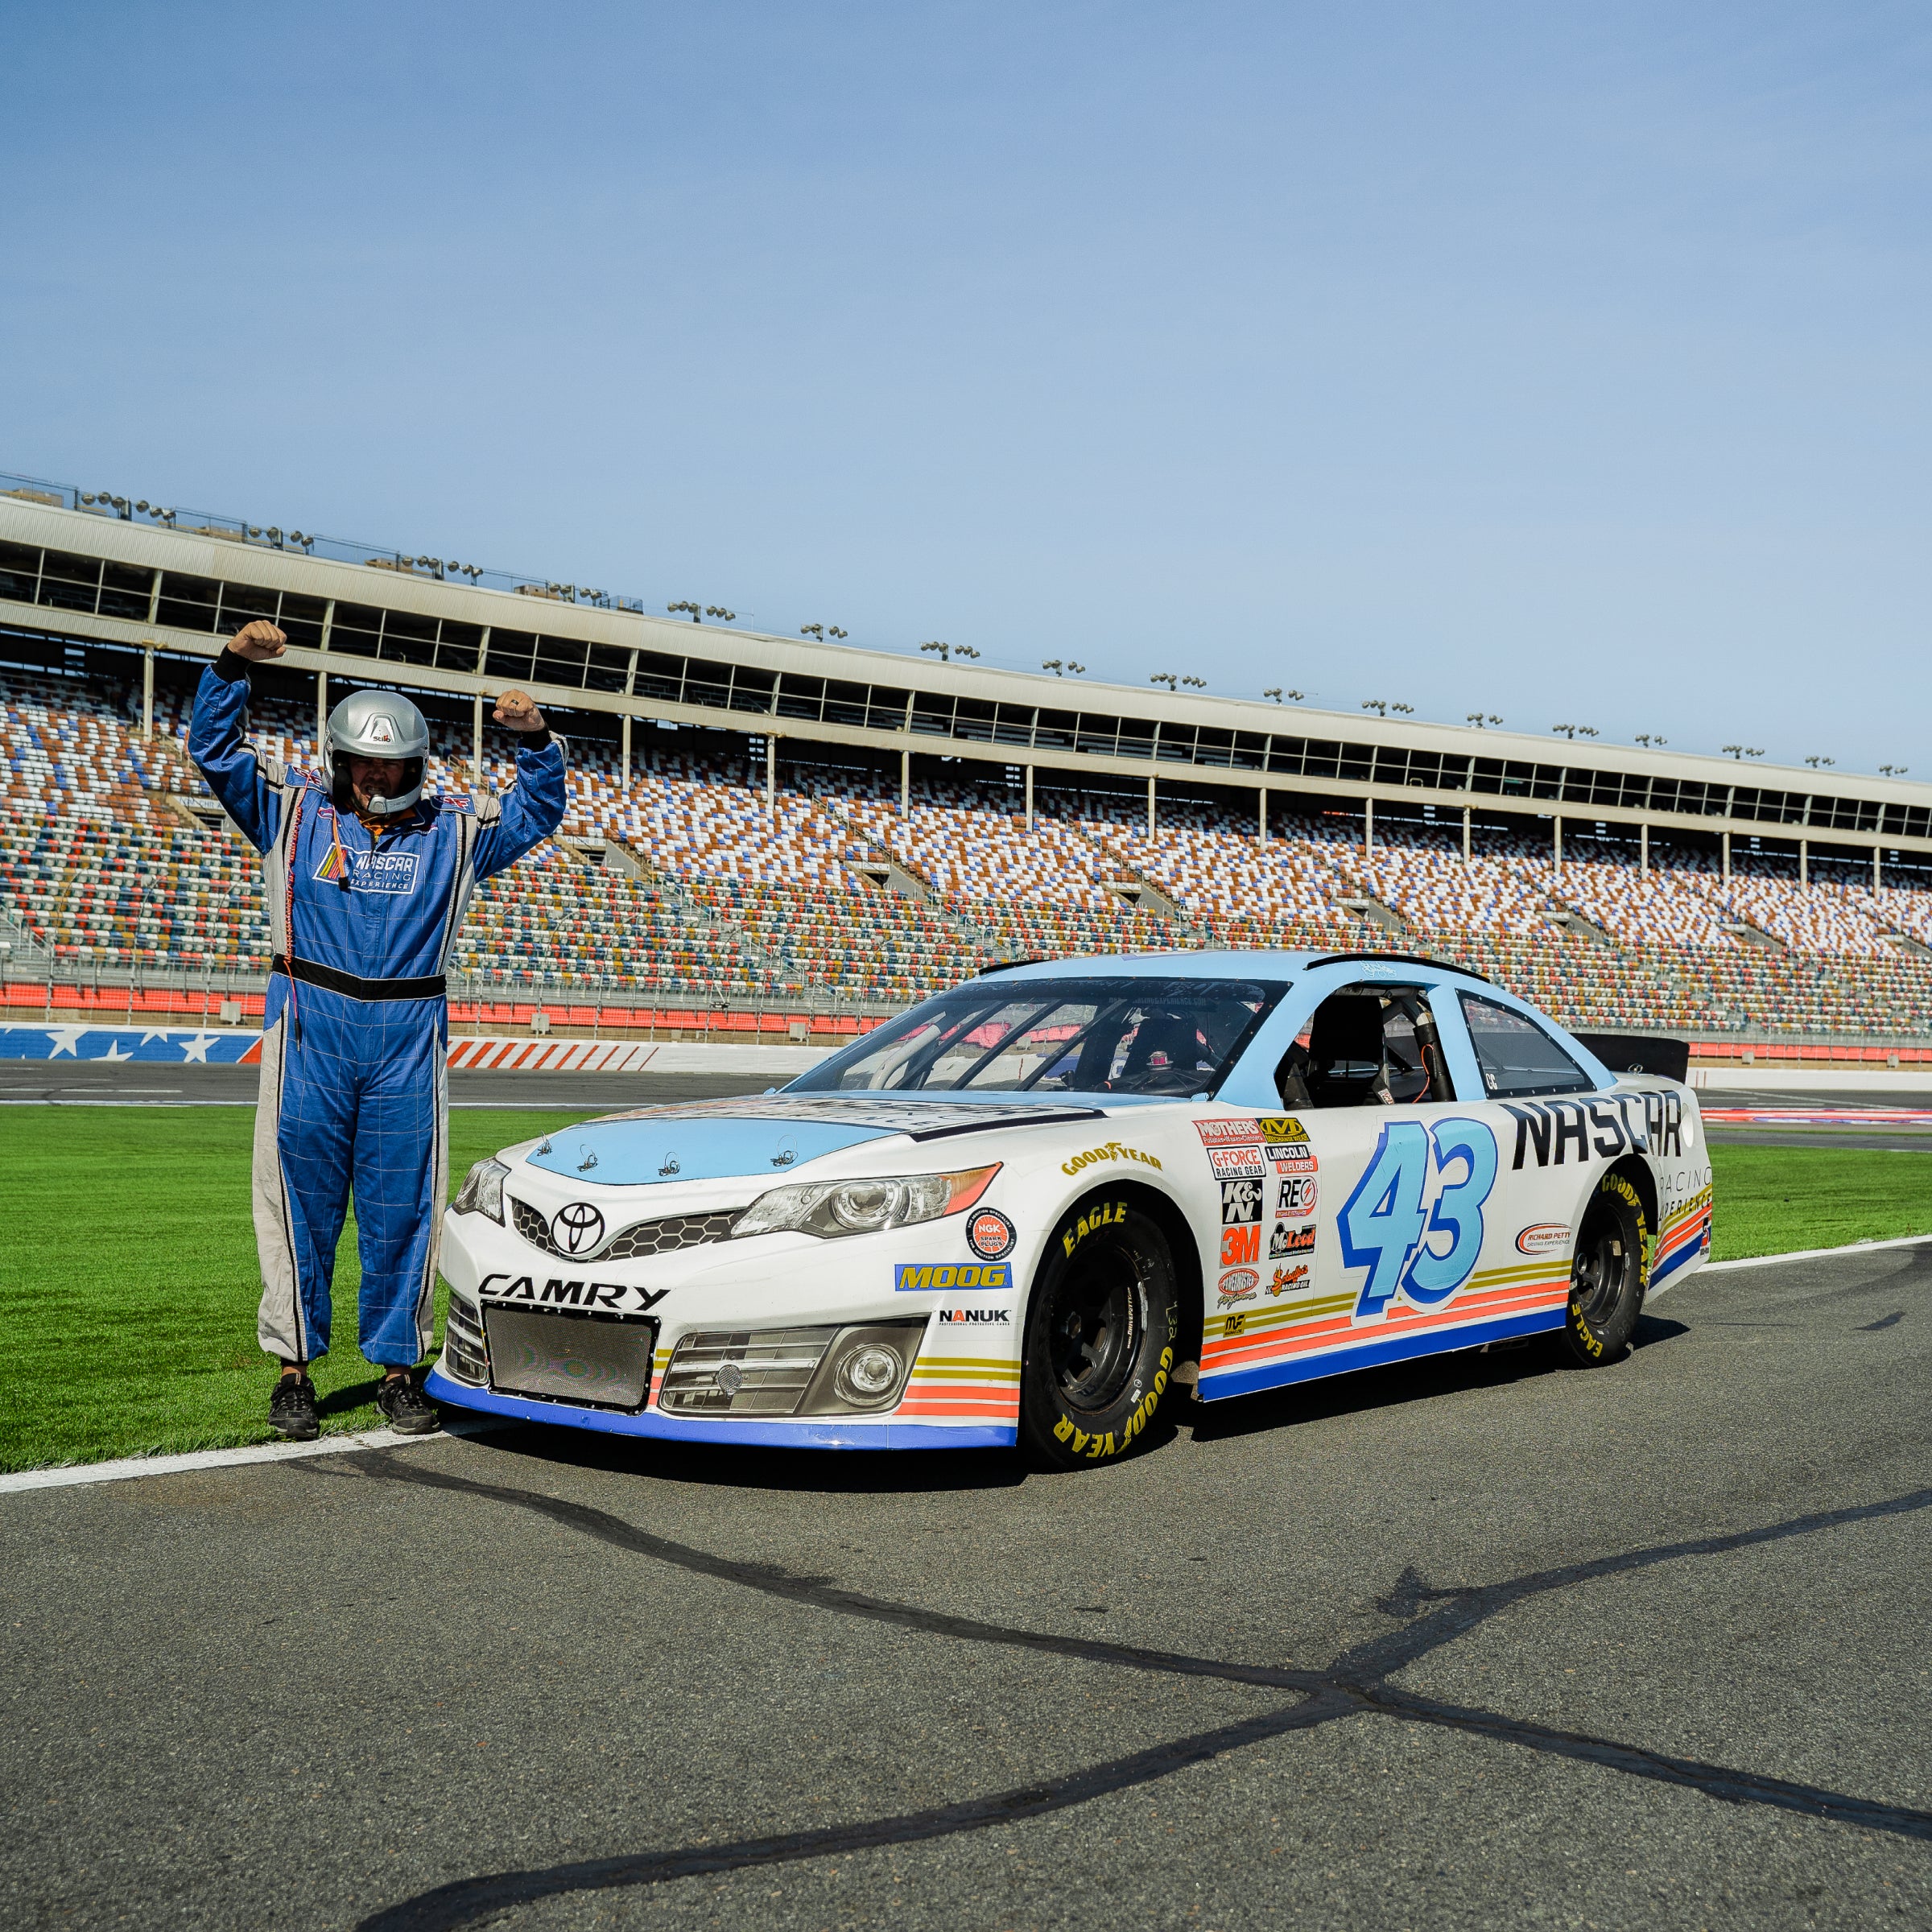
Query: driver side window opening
<point x="1367" y="1046"/>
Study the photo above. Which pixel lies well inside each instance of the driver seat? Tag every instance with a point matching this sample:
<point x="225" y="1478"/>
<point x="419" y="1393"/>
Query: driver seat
<point x="1345" y="1053"/>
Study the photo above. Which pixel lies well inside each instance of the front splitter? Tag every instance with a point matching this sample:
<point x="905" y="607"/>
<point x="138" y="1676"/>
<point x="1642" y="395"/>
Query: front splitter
<point x="817" y="1432"/>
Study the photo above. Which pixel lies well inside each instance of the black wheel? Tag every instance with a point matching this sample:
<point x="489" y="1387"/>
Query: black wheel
<point x="1101" y="1332"/>
<point x="1609" y="1275"/>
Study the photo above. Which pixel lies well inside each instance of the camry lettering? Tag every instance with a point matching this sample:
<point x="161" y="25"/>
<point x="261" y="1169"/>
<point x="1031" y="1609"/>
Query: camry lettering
<point x="620" y="1296"/>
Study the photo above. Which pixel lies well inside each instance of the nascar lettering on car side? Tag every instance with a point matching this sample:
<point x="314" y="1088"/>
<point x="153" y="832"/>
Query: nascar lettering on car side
<point x="1133" y="1180"/>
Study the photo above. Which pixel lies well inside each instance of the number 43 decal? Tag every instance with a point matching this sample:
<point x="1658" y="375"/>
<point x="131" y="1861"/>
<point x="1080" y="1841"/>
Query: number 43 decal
<point x="1415" y="1218"/>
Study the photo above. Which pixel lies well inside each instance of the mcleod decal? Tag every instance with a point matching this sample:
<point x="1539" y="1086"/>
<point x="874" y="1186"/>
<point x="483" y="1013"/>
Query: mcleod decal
<point x="1282" y="1127"/>
<point x="918" y="1277"/>
<point x="1238" y="1163"/>
<point x="1097" y="1448"/>
<point x="1114" y="1150"/>
<point x="998" y="1317"/>
<point x="1285" y="1241"/>
<point x="1106" y="1215"/>
<point x="557" y="1292"/>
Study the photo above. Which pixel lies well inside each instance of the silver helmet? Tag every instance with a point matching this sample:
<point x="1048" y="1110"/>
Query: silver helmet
<point x="376" y="724"/>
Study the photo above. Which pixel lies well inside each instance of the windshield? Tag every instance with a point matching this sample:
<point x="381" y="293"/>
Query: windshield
<point x="1005" y="1035"/>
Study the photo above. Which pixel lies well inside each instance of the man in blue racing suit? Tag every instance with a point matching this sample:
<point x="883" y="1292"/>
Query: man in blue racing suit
<point x="367" y="885"/>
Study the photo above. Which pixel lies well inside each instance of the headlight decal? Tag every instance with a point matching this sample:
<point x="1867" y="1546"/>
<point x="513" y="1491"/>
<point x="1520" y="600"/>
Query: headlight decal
<point x="871" y="1205"/>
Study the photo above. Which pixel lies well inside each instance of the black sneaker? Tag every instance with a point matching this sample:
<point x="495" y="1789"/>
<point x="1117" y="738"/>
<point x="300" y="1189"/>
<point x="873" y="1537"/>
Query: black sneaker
<point x="291" y="1408"/>
<point x="410" y="1411"/>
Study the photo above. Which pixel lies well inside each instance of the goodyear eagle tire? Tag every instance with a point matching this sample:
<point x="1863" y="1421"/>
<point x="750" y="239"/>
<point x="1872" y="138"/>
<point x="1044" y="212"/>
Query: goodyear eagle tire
<point x="1100" y="1329"/>
<point x="1609" y="1275"/>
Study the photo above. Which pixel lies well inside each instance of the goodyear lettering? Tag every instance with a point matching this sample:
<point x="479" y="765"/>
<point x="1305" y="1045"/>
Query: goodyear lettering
<point x="1105" y="1216"/>
<point x="1114" y="1150"/>
<point x="920" y="1278"/>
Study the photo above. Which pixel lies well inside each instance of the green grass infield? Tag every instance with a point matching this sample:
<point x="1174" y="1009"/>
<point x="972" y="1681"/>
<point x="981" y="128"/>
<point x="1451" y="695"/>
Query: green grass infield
<point x="128" y="1281"/>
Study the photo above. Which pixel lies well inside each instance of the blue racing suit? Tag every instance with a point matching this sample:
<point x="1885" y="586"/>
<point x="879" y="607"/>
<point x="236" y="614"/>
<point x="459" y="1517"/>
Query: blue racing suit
<point x="355" y="1033"/>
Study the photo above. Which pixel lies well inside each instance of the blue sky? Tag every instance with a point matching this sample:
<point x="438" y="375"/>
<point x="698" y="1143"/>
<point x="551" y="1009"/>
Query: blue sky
<point x="1565" y="363"/>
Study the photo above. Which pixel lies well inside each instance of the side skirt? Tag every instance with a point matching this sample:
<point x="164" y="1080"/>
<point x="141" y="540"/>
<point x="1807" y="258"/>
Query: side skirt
<point x="814" y="1432"/>
<point x="1378" y="1354"/>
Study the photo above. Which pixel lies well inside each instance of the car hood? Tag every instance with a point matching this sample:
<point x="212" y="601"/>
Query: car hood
<point x="770" y="1136"/>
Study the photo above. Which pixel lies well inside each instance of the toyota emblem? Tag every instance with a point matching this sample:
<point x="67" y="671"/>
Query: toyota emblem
<point x="578" y="1229"/>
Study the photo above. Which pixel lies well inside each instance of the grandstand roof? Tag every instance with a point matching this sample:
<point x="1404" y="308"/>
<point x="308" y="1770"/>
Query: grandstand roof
<point x="96" y="575"/>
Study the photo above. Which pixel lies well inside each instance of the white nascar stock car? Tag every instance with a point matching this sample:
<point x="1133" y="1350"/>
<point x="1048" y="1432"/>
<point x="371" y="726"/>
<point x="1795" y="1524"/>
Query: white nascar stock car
<point x="1027" y="1209"/>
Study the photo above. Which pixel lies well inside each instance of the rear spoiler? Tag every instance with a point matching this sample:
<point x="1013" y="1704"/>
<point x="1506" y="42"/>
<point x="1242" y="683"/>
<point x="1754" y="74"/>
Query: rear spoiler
<point x="1641" y="1053"/>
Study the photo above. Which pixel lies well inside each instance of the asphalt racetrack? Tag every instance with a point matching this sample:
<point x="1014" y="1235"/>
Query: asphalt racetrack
<point x="1484" y="1643"/>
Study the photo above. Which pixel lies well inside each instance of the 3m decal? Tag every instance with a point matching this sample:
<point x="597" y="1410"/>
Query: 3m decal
<point x="920" y="1277"/>
<point x="1238" y="1163"/>
<point x="997" y="1317"/>
<point x="1294" y="1195"/>
<point x="1415" y="1218"/>
<point x="989" y="1234"/>
<point x="1240" y="1202"/>
<point x="1091" y="1222"/>
<point x="1545" y="1237"/>
<point x="1282" y="1127"/>
<point x="618" y="1296"/>
<point x="1229" y="1134"/>
<point x="1238" y="1285"/>
<point x="1286" y="1240"/>
<point x="1114" y="1150"/>
<point x="1288" y="1278"/>
<point x="1239" y="1245"/>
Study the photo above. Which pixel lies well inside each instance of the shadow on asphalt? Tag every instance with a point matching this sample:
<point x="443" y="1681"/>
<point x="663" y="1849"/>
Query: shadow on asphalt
<point x="829" y="1472"/>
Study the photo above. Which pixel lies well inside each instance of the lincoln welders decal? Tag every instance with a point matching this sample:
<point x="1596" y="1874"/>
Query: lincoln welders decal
<point x="1415" y="1218"/>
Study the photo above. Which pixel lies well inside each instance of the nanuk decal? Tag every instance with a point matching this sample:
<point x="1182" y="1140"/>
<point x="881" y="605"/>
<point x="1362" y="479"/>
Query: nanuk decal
<point x="616" y="1296"/>
<point x="1238" y="1163"/>
<point x="1238" y="1285"/>
<point x="1105" y="1216"/>
<point x="1282" y="1127"/>
<point x="1241" y="1202"/>
<point x="1114" y="1150"/>
<point x="1650" y="1123"/>
<point x="1239" y="1245"/>
<point x="996" y="1316"/>
<point x="989" y="1234"/>
<point x="1227" y="1133"/>
<point x="1287" y="1279"/>
<point x="920" y="1277"/>
<point x="1545" y="1237"/>
<point x="1294" y="1194"/>
<point x="1286" y="1240"/>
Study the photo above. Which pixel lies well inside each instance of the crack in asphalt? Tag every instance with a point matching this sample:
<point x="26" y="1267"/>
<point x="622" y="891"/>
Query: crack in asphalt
<point x="1353" y="1686"/>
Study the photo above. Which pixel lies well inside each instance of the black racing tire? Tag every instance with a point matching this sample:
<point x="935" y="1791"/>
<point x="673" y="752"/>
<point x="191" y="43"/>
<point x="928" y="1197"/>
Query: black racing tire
<point x="1101" y="1338"/>
<point x="1609" y="1276"/>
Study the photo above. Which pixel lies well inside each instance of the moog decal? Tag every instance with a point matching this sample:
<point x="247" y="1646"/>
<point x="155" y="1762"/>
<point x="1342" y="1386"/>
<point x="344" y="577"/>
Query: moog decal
<point x="915" y="1277"/>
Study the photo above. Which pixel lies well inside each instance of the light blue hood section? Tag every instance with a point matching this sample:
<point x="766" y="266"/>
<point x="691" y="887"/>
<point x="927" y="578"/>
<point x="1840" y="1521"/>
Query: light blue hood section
<point x="654" y="1151"/>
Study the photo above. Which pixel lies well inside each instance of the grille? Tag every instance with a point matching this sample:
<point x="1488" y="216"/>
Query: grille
<point x="588" y="1361"/>
<point x="642" y="1238"/>
<point x="465" y="1355"/>
<point x="776" y="1366"/>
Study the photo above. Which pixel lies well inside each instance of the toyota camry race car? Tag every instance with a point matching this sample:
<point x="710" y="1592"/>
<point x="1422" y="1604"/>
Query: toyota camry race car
<point x="1027" y="1209"/>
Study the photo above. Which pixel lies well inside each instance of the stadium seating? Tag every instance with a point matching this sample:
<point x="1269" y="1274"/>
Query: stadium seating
<point x="830" y="894"/>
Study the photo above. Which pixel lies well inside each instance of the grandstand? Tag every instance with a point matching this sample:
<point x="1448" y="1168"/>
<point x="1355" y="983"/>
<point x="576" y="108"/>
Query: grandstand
<point x="857" y="861"/>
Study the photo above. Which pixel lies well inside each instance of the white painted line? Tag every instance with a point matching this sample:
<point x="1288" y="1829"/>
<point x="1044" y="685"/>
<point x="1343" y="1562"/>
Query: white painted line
<point x="132" y="1466"/>
<point x="1813" y="1254"/>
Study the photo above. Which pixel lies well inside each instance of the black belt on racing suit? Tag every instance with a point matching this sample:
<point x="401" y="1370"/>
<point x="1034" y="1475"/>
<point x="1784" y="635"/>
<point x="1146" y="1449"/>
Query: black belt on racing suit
<point x="431" y="986"/>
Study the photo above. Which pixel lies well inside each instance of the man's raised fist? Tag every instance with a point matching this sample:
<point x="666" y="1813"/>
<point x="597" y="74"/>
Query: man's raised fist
<point x="258" y="641"/>
<point x="517" y="711"/>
